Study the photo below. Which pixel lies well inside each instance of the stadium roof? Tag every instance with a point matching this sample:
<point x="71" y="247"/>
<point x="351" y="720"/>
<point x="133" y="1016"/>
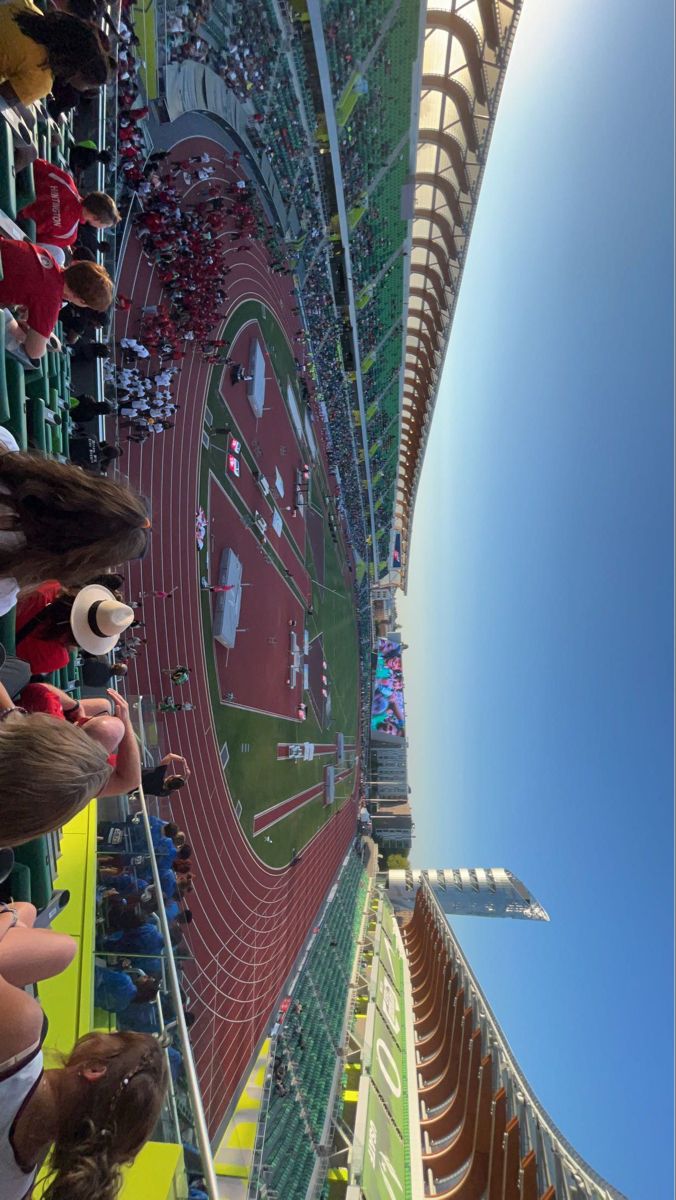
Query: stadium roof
<point x="467" y="46"/>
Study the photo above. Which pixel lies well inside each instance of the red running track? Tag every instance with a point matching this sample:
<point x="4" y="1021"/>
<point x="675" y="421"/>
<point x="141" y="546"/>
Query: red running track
<point x="249" y="920"/>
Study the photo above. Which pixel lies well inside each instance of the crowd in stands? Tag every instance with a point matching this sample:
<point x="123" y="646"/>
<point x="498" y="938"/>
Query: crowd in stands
<point x="61" y="532"/>
<point x="64" y="530"/>
<point x="129" y="111"/>
<point x="260" y="78"/>
<point x="307" y="1038"/>
<point x="59" y="529"/>
<point x="244" y="62"/>
<point x="182" y="24"/>
<point x="350" y="34"/>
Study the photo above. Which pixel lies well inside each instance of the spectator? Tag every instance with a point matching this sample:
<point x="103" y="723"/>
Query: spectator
<point x="86" y="408"/>
<point x="37" y="49"/>
<point x="183" y="865"/>
<point x="84" y="154"/>
<point x="81" y="322"/>
<point x="90" y="351"/>
<point x="100" y="673"/>
<point x="197" y="1190"/>
<point x="63" y="524"/>
<point x="112" y="1084"/>
<point x="69" y="751"/>
<point x="87" y="451"/>
<point x="114" y="991"/>
<point x="140" y="939"/>
<point x="33" y="280"/>
<point x="163" y="779"/>
<point x="44" y="637"/>
<point x="52" y="620"/>
<point x="58" y="209"/>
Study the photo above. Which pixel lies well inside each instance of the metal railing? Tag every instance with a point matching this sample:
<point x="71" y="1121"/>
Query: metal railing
<point x="201" y="1130"/>
<point x="131" y="852"/>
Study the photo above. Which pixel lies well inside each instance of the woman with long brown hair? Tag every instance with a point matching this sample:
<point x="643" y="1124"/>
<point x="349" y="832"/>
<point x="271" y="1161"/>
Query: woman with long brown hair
<point x="37" y="48"/>
<point x="57" y="522"/>
<point x="93" y="1113"/>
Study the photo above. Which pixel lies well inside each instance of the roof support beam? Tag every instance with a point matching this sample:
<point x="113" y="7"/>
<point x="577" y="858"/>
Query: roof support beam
<point x="448" y="192"/>
<point x="451" y="148"/>
<point x="469" y="40"/>
<point x="460" y="97"/>
<point x="434" y="248"/>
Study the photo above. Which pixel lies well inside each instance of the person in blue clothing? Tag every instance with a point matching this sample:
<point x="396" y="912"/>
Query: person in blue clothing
<point x="165" y="847"/>
<point x="168" y="883"/>
<point x="139" y="1018"/>
<point x="115" y="990"/>
<point x="166" y="836"/>
<point x="172" y="906"/>
<point x="175" y="1062"/>
<point x="124" y="882"/>
<point x="143" y="939"/>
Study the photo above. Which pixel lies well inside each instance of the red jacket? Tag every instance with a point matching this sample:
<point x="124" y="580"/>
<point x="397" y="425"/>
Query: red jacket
<point x="57" y="208"/>
<point x="42" y="655"/>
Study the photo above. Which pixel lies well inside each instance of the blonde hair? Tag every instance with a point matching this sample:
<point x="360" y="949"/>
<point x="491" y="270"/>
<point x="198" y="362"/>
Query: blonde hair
<point x="49" y="770"/>
<point x="110" y="1119"/>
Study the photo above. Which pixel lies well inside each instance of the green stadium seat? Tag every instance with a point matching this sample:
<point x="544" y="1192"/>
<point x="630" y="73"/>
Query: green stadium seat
<point x="29" y="227"/>
<point x="20" y="883"/>
<point x="25" y="187"/>
<point x="8" y="631"/>
<point x="36" y="857"/>
<point x="36" y="383"/>
<point x="57" y="442"/>
<point x="35" y="409"/>
<point x="7" y="176"/>
<point x="16" y="393"/>
<point x="4" y="397"/>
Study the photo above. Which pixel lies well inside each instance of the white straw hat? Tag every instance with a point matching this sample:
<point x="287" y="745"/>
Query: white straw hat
<point x="97" y="619"/>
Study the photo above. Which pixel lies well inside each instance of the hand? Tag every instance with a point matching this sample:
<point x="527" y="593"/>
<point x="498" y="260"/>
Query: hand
<point x="121" y="708"/>
<point x="178" y="758"/>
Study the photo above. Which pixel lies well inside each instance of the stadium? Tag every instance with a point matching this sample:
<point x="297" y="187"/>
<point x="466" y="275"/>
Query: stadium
<point x="254" y="323"/>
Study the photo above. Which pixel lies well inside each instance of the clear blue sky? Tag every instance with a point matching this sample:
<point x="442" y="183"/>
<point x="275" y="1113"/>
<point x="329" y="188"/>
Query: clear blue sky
<point x="539" y="611"/>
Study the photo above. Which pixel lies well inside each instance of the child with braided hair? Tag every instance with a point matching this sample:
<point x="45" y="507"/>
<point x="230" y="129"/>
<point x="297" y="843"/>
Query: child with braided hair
<point x="94" y="1112"/>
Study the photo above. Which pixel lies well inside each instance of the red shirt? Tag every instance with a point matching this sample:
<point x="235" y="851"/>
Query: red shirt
<point x="32" y="278"/>
<point x="36" y="698"/>
<point x="42" y="654"/>
<point x="57" y="208"/>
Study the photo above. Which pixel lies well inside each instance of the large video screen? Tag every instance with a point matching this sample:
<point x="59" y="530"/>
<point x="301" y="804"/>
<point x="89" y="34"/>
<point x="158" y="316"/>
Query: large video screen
<point x="387" y="709"/>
